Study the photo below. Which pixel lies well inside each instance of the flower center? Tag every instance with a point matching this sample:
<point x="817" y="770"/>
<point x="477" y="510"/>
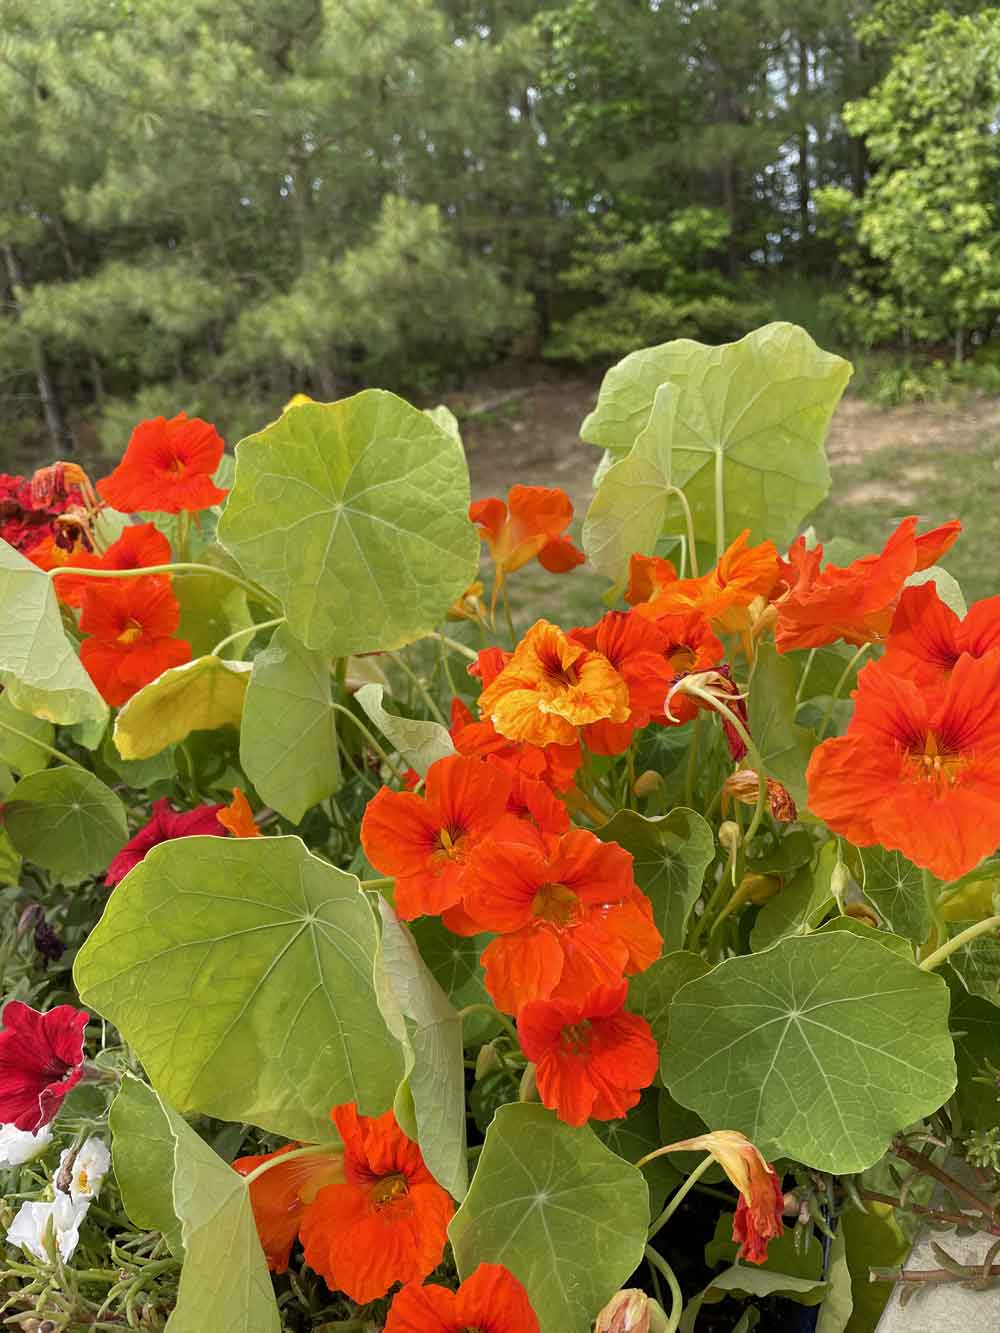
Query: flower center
<point x="575" y="1039"/>
<point x="556" y="672"/>
<point x="450" y="841"/>
<point x="131" y="632"/>
<point x="82" y="1180"/>
<point x="388" y="1189"/>
<point x="681" y="658"/>
<point x="935" y="763"/>
<point x="176" y="466"/>
<point x="555" y="904"/>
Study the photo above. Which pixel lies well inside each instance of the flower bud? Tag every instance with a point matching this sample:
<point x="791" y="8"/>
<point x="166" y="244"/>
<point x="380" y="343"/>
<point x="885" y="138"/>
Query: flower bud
<point x="628" y="1311"/>
<point x="528" y="1089"/>
<point x="646" y="783"/>
<point x="729" y="835"/>
<point x="759" y="888"/>
<point x="862" y="912"/>
<point x="487" y="1061"/>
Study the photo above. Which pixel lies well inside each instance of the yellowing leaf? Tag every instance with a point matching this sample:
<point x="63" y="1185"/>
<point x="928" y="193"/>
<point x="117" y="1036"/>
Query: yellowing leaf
<point x="198" y="696"/>
<point x="420" y="742"/>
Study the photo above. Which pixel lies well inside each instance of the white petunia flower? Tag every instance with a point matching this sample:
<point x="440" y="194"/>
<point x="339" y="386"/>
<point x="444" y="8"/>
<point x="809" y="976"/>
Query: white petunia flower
<point x="18" y="1146"/>
<point x="33" y="1223"/>
<point x="88" y="1171"/>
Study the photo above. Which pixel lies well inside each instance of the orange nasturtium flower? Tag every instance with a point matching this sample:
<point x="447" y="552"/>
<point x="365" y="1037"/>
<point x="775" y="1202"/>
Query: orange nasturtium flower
<point x="551" y="687"/>
<point x="532" y="523"/>
<point x="759" y="1211"/>
<point x="927" y="638"/>
<point x="555" y="765"/>
<point x="281" y="1195"/>
<point x="238" y="818"/>
<point x="592" y="1058"/>
<point x="388" y="1221"/>
<point x="742" y="574"/>
<point x="918" y="771"/>
<point x="139" y="545"/>
<point x="424" y="841"/>
<point x="491" y="1300"/>
<point x="131" y="622"/>
<point x="690" y="648"/>
<point x="567" y="915"/>
<point x="647" y="576"/>
<point x="854" y="602"/>
<point x="637" y="650"/>
<point x="167" y="467"/>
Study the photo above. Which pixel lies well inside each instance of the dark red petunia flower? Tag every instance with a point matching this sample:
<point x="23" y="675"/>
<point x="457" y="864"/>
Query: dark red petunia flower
<point x="167" y="467"/>
<point x="41" y="1060"/>
<point x="164" y="825"/>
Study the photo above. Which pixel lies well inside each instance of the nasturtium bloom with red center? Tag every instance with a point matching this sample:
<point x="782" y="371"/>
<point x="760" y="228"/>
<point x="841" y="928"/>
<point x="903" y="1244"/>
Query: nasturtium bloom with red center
<point x="854" y="602"/>
<point x="636" y="649"/>
<point x="551" y="687"/>
<point x="280" y="1196"/>
<point x="167" y="468"/>
<point x="592" y="1058"/>
<point x="531" y="524"/>
<point x="490" y="1300"/>
<point x="927" y="638"/>
<point x="424" y="841"/>
<point x="918" y="770"/>
<point x="388" y="1221"/>
<point x="567" y="915"/>
<point x="131" y="623"/>
<point x="41" y="1060"/>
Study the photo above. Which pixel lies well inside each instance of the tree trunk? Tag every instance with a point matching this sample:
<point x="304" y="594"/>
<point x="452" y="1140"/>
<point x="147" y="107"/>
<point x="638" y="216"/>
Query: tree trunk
<point x="73" y="269"/>
<point x="803" y="166"/>
<point x="46" y="392"/>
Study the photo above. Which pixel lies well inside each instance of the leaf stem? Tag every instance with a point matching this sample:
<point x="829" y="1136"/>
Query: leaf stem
<point x="845" y="674"/>
<point x="176" y="567"/>
<point x="689" y="522"/>
<point x="241" y="633"/>
<point x="502" y="1019"/>
<point x="692" y="762"/>
<point x="49" y="749"/>
<point x="339" y="708"/>
<point x="720" y="504"/>
<point x="676" y="1296"/>
<point x="755" y="758"/>
<point x="422" y="689"/>
<point x="310" y="1150"/>
<point x="959" y="941"/>
<point x="805" y="675"/>
<point x="454" y="644"/>
<point x="680" y="1194"/>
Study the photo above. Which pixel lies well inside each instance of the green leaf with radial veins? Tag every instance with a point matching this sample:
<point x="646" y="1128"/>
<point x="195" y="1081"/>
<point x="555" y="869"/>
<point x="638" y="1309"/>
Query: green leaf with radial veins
<point x="355" y="514"/>
<point x="974" y="1028"/>
<point x="650" y="992"/>
<point x="551" y="1203"/>
<point x="819" y="1049"/>
<point x="429" y="1030"/>
<point x="420" y="742"/>
<point x="142" y="1150"/>
<point x="240" y="970"/>
<point x="670" y="856"/>
<point x="38" y="665"/>
<point x="67" y="821"/>
<point x="755" y="411"/>
<point x="19" y="737"/>
<point x="288" y="735"/>
<point x="896" y="888"/>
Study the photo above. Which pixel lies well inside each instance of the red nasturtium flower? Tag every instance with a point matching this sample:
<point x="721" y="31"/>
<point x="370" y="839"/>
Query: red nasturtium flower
<point x="490" y="1300"/>
<point x="856" y="602"/>
<point x="41" y="1060"/>
<point x="532" y="523"/>
<point x="167" y="467"/>
<point x="237" y="817"/>
<point x="281" y="1195"/>
<point x="139" y="545"/>
<point x="165" y="824"/>
<point x="637" y="650"/>
<point x="27" y="517"/>
<point x="131" y="623"/>
<point x="592" y="1058"/>
<point x="567" y="914"/>
<point x="758" y="1218"/>
<point x="552" y="686"/>
<point x="927" y="638"/>
<point x="918" y="770"/>
<point x="424" y="841"/>
<point x="388" y="1221"/>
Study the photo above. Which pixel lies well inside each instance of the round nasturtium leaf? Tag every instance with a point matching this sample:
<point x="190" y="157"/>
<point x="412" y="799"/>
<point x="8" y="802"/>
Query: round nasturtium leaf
<point x="564" y="1213"/>
<point x="355" y="514"/>
<point x="198" y="696"/>
<point x="819" y="1049"/>
<point x="67" y="821"/>
<point x="240" y="971"/>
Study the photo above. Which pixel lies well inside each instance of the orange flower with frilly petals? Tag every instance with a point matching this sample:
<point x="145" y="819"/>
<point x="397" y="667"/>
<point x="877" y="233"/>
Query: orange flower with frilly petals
<point x="387" y="1223"/>
<point x="552" y="686"/>
<point x="535" y="802"/>
<point x="567" y="915"/>
<point x="637" y="650"/>
<point x="167" y="467"/>
<point x="131" y="622"/>
<point x="280" y="1196"/>
<point x="424" y="842"/>
<point x="139" y="545"/>
<point x="532" y="523"/>
<point x="592" y="1059"/>
<point x="918" y="771"/>
<point x="854" y="602"/>
<point x="647" y="576"/>
<point x="555" y="765"/>
<point x="238" y="818"/>
<point x="742" y="574"/>
<point x="927" y="638"/>
<point x="490" y="1300"/>
<point x="690" y="647"/>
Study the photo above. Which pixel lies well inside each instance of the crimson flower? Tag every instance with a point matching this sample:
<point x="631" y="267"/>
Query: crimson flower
<point x="41" y="1060"/>
<point x="164" y="825"/>
<point x="167" y="467"/>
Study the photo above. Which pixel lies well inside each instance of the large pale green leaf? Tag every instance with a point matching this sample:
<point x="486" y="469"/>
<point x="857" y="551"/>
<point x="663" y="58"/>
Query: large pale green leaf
<point x="454" y="963"/>
<point x="566" y="1215"/>
<point x="818" y="1049"/>
<point x="897" y="944"/>
<point x="896" y="889"/>
<point x="784" y="746"/>
<point x="671" y="853"/>
<point x="10" y="861"/>
<point x="240" y="970"/>
<point x="66" y="820"/>
<point x="198" y="696"/>
<point x="751" y="416"/>
<point x="37" y="662"/>
<point x="19" y="737"/>
<point x="651" y="992"/>
<point x="355" y="514"/>
<point x="288" y="736"/>
<point x="421" y="743"/>
<point x="142" y="1150"/>
<point x="212" y="608"/>
<point x="225" y="1285"/>
<point x="428" y="1028"/>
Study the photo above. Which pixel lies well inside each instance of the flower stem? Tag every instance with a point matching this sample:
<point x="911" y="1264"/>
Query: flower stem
<point x="676" y="1296"/>
<point x="937" y="924"/>
<point x="339" y="708"/>
<point x="845" y="675"/>
<point x="758" y="764"/>
<point x="692" y="763"/>
<point x="49" y="749"/>
<point x="311" y="1150"/>
<point x="422" y="689"/>
<point x="241" y="633"/>
<point x="959" y="941"/>
<point x="720" y="503"/>
<point x="454" y="645"/>
<point x="502" y="1019"/>
<point x="680" y="1194"/>
<point x="175" y="567"/>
